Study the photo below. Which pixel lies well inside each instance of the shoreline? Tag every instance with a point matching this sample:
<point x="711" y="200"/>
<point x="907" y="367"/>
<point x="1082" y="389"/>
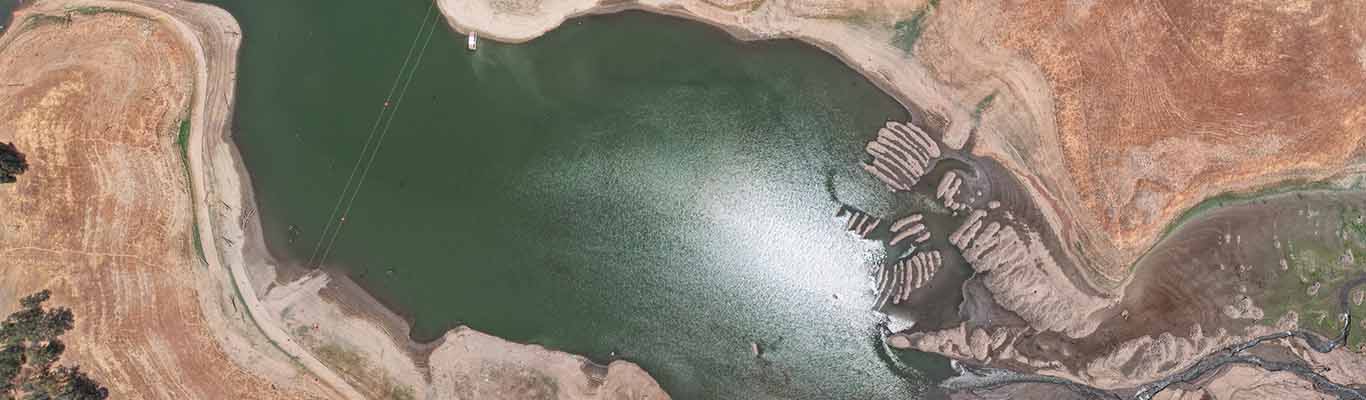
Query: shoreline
<point x="219" y="77"/>
<point x="221" y="192"/>
<point x="252" y="265"/>
<point x="935" y="114"/>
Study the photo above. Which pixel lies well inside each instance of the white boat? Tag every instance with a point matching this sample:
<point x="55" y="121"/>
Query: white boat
<point x="474" y="38"/>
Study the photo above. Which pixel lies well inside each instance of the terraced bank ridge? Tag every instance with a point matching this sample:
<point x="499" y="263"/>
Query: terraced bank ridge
<point x="158" y="317"/>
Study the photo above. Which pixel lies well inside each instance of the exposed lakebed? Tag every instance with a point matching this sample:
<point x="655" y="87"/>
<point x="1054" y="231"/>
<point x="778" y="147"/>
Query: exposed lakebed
<point x="630" y="186"/>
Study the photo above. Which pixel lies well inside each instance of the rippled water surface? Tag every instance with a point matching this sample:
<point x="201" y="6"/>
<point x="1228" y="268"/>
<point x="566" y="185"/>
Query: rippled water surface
<point x="629" y="184"/>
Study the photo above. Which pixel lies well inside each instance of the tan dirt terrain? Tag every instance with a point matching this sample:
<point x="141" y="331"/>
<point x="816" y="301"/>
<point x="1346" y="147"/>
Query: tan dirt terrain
<point x="105" y="169"/>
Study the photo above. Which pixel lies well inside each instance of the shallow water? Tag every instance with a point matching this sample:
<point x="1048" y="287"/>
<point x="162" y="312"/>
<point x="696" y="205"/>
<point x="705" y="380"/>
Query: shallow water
<point x="630" y="185"/>
<point x="7" y="8"/>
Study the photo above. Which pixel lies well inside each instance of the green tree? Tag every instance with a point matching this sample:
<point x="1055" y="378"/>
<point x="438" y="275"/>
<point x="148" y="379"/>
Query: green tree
<point x="11" y="163"/>
<point x="30" y="351"/>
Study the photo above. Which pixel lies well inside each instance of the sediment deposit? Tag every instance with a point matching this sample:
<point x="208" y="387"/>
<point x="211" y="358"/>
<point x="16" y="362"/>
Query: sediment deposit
<point x="902" y="154"/>
<point x="916" y="271"/>
<point x="910" y="227"/>
<point x="858" y="222"/>
<point x="947" y="191"/>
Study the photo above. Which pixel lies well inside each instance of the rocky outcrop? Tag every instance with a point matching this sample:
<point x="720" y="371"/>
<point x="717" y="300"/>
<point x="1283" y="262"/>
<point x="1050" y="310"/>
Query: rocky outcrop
<point x="902" y="154"/>
<point x="912" y="226"/>
<point x="858" y="222"/>
<point x="914" y="272"/>
<point x="1023" y="277"/>
<point x="947" y="192"/>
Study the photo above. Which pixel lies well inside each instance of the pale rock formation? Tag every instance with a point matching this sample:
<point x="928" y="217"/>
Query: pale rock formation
<point x="858" y="222"/>
<point x="902" y="154"/>
<point x="947" y="192"/>
<point x="916" y="271"/>
<point x="911" y="226"/>
<point x="1025" y="278"/>
<point x="1150" y="358"/>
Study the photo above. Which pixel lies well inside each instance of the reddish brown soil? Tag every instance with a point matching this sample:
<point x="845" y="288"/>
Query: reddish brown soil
<point x="1160" y="104"/>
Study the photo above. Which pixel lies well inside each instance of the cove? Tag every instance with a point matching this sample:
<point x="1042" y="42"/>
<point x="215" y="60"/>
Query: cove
<point x="629" y="185"/>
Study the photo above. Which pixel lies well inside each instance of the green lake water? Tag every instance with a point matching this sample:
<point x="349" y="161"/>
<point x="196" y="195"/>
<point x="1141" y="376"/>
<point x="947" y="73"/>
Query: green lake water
<point x="7" y="8"/>
<point x="630" y="186"/>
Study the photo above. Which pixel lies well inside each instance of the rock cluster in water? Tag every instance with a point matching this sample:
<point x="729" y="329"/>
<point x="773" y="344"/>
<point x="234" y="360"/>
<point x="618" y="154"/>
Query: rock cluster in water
<point x="901" y="154"/>
<point x="1024" y="277"/>
<point x="948" y="190"/>
<point x="908" y="227"/>
<point x="858" y="222"/>
<point x="914" y="272"/>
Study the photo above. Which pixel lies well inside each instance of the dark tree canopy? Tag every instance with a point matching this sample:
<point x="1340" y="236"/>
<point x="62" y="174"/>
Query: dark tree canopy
<point x="31" y="350"/>
<point x="11" y="163"/>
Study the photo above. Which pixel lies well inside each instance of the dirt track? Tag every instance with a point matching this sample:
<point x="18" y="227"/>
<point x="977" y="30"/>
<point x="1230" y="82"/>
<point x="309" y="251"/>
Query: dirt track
<point x="98" y="120"/>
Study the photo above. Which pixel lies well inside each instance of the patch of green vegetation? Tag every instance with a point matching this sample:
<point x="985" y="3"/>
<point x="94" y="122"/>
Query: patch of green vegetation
<point x="38" y="20"/>
<point x="1353" y="222"/>
<point x="183" y="142"/>
<point x="1313" y="261"/>
<point x="88" y="10"/>
<point x="908" y="31"/>
<point x="402" y="393"/>
<point x="1231" y="198"/>
<point x="182" y="138"/>
<point x="340" y="358"/>
<point x="355" y="367"/>
<point x="92" y="10"/>
<point x="982" y="107"/>
<point x="30" y="350"/>
<point x="1310" y="262"/>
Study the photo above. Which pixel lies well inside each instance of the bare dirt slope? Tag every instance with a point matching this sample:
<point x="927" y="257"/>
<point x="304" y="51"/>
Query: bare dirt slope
<point x="1161" y="104"/>
<point x="103" y="217"/>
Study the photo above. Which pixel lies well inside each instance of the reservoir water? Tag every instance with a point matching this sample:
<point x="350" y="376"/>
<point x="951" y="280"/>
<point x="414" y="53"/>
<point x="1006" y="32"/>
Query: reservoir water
<point x="629" y="185"/>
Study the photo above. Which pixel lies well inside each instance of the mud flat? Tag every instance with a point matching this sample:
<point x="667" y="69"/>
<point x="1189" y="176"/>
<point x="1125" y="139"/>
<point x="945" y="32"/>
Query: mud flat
<point x="1253" y="275"/>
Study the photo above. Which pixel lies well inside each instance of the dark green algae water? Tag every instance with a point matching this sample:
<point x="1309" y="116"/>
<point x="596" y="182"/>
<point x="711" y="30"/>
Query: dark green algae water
<point x="629" y="185"/>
